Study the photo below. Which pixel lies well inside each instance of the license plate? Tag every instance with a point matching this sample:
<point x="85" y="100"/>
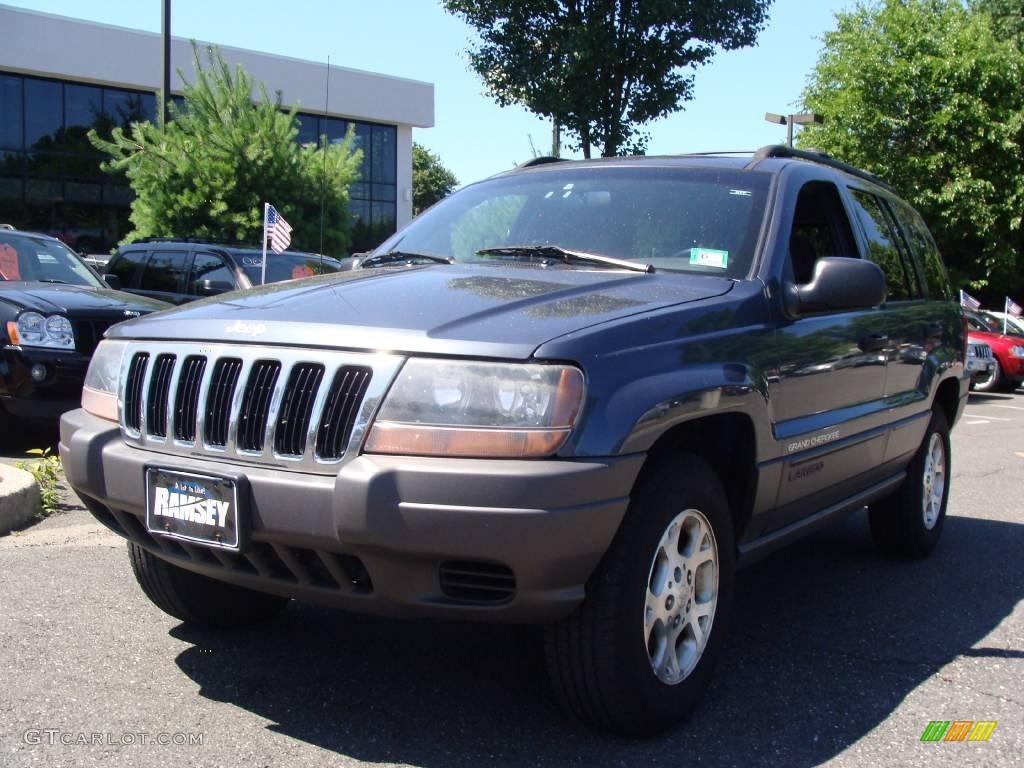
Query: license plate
<point x="198" y="508"/>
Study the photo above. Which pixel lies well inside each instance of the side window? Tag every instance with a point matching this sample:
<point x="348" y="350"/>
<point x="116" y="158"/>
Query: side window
<point x="820" y="229"/>
<point x="209" y="266"/>
<point x="884" y="246"/>
<point x="927" y="253"/>
<point x="163" y="271"/>
<point x="126" y="265"/>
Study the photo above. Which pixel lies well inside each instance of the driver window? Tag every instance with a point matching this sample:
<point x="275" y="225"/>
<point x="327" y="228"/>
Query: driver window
<point x="820" y="228"/>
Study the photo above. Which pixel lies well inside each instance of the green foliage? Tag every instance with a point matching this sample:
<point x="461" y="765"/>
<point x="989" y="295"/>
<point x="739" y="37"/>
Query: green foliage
<point x="208" y="171"/>
<point x="601" y="68"/>
<point x="431" y="181"/>
<point x="46" y="470"/>
<point x="923" y="93"/>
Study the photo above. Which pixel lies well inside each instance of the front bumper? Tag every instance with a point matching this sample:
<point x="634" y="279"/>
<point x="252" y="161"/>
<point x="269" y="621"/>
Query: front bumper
<point x="382" y="535"/>
<point x="41" y="401"/>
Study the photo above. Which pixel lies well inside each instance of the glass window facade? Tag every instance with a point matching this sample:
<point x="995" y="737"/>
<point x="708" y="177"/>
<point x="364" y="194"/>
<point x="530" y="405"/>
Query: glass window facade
<point x="50" y="177"/>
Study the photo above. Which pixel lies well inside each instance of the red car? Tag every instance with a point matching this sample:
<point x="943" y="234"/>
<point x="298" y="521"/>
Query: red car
<point x="1008" y="351"/>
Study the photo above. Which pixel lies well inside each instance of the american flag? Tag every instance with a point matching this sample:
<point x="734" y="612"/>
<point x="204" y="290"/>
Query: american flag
<point x="1012" y="308"/>
<point x="278" y="231"/>
<point x="966" y="300"/>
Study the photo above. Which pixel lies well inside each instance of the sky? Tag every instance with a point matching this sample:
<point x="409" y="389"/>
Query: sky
<point x="474" y="136"/>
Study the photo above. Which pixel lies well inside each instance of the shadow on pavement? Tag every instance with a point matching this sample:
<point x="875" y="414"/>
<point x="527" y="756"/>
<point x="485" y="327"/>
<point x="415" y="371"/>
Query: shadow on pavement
<point x="828" y="639"/>
<point x="20" y="439"/>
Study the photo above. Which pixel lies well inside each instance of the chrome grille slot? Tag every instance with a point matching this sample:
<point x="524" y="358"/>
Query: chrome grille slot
<point x="133" y="391"/>
<point x="347" y="391"/>
<point x="304" y="410"/>
<point x="217" y="418"/>
<point x="186" y="399"/>
<point x="297" y="408"/>
<point x="159" y="394"/>
<point x="259" y="389"/>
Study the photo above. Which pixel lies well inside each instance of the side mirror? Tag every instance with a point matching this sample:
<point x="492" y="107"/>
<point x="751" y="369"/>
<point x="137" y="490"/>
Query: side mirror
<point x="213" y="287"/>
<point x="838" y="283"/>
<point x="113" y="281"/>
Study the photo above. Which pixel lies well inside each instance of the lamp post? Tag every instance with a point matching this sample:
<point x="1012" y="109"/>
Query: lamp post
<point x="165" y="34"/>
<point x="804" y="118"/>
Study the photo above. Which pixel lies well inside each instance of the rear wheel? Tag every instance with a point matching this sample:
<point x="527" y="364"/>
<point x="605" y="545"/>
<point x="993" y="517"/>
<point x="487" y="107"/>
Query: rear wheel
<point x="908" y="523"/>
<point x="638" y="653"/>
<point x="197" y="599"/>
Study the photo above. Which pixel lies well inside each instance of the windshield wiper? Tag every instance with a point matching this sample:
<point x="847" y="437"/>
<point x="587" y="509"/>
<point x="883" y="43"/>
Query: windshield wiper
<point x="565" y="255"/>
<point x="392" y="256"/>
<point x="51" y="280"/>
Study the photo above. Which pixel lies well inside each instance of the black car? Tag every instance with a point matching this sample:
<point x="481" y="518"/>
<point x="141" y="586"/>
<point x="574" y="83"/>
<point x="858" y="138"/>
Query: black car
<point x="53" y="312"/>
<point x="179" y="271"/>
<point x="579" y="394"/>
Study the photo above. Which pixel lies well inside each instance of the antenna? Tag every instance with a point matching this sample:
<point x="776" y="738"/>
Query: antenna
<point x="323" y="178"/>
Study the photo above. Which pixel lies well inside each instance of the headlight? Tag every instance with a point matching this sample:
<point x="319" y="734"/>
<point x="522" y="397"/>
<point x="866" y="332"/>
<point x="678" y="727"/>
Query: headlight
<point x="1017" y="351"/>
<point x="33" y="330"/>
<point x="480" y="410"/>
<point x="99" y="394"/>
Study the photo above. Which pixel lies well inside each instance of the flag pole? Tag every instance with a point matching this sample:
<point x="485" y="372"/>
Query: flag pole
<point x="1006" y="312"/>
<point x="263" y="271"/>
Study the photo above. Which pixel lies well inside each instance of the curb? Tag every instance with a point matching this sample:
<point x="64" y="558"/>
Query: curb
<point x="19" y="498"/>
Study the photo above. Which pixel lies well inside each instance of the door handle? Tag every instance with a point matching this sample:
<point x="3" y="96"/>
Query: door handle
<point x="873" y="342"/>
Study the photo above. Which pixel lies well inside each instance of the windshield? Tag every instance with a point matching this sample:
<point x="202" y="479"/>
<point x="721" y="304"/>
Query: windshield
<point x="27" y="258"/>
<point x="286" y="266"/>
<point x="690" y="219"/>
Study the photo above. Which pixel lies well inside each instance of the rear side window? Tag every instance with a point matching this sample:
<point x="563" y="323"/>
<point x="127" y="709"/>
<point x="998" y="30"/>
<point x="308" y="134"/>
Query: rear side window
<point x="125" y="265"/>
<point x="927" y="253"/>
<point x="884" y="246"/>
<point x="163" y="271"/>
<point x="209" y="266"/>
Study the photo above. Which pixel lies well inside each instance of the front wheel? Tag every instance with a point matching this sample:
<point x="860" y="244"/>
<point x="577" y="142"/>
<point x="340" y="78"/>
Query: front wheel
<point x="199" y="600"/>
<point x="637" y="654"/>
<point x="908" y="522"/>
<point x="990" y="383"/>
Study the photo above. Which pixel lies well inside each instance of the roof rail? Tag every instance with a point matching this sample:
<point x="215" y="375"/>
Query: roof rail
<point x="782" y="151"/>
<point x="200" y="240"/>
<point x="542" y="160"/>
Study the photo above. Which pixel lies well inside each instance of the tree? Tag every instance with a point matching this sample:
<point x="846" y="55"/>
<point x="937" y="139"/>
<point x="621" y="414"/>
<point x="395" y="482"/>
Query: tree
<point x="601" y="68"/>
<point x="431" y="181"/>
<point x="924" y="94"/>
<point x="208" y="171"/>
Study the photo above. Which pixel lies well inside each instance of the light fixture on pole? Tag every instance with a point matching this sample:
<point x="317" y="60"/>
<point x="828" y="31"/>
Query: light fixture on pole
<point x="804" y="118"/>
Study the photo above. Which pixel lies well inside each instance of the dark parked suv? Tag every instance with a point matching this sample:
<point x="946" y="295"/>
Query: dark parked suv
<point x="178" y="271"/>
<point x="577" y="394"/>
<point x="53" y="312"/>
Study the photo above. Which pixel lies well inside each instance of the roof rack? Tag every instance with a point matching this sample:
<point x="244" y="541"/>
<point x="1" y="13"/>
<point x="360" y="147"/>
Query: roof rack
<point x="202" y="240"/>
<point x="542" y="160"/>
<point x="782" y="151"/>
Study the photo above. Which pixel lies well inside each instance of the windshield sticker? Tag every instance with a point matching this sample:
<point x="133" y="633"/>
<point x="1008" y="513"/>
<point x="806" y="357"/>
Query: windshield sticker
<point x="741" y="192"/>
<point x="709" y="257"/>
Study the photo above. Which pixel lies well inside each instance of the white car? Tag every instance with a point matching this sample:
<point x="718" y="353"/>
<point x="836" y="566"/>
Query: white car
<point x="1014" y="325"/>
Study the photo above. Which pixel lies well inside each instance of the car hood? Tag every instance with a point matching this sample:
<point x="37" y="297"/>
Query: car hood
<point x="996" y="340"/>
<point x="461" y="309"/>
<point x="74" y="300"/>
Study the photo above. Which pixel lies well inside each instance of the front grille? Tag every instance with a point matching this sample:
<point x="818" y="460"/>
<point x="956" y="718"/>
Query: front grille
<point x="89" y="333"/>
<point x="297" y="409"/>
<point x="982" y="351"/>
<point x="477" y="582"/>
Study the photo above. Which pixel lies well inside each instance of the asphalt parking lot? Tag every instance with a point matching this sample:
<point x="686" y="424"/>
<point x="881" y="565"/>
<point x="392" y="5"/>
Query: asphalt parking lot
<point x="836" y="657"/>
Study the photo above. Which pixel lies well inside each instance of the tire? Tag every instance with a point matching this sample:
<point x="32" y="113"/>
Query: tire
<point x="609" y="660"/>
<point x="199" y="600"/>
<point x="992" y="383"/>
<point x="909" y="522"/>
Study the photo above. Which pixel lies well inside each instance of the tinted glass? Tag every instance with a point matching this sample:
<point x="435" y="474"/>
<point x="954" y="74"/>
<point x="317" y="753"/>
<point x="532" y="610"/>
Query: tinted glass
<point x="882" y="245"/>
<point x="308" y="126"/>
<point x="124" y="107"/>
<point x="83" y="109"/>
<point x="285" y="266"/>
<point x="11" y="133"/>
<point x="163" y="271"/>
<point x="696" y="220"/>
<point x="927" y="253"/>
<point x="334" y="129"/>
<point x="44" y="112"/>
<point x="209" y="266"/>
<point x="34" y="258"/>
<point x="124" y="266"/>
<point x="383" y="151"/>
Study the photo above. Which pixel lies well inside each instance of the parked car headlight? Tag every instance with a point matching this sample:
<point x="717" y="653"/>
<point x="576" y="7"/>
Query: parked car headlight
<point x="480" y="410"/>
<point x="99" y="394"/>
<point x="32" y="329"/>
<point x="1017" y="351"/>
